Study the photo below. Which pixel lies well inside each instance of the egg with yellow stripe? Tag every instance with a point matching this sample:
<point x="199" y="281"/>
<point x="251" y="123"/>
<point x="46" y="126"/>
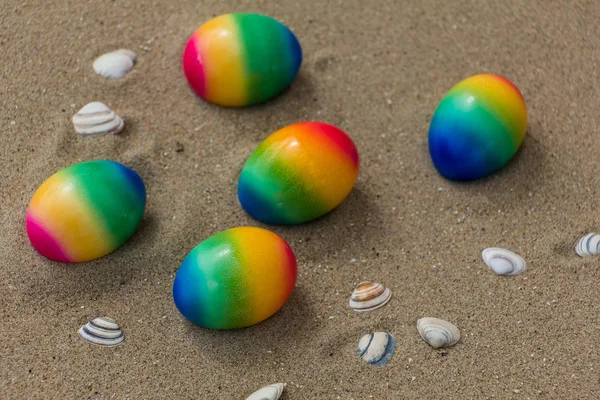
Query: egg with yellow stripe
<point x="299" y="173"/>
<point x="477" y="128"/>
<point x="85" y="211"/>
<point x="236" y="278"/>
<point x="241" y="59"/>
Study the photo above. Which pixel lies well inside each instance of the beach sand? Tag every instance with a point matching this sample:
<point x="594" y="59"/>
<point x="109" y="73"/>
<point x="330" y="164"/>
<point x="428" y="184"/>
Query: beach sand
<point x="378" y="72"/>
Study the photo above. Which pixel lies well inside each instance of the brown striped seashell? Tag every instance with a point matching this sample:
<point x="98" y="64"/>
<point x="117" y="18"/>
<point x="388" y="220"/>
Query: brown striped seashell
<point x="369" y="296"/>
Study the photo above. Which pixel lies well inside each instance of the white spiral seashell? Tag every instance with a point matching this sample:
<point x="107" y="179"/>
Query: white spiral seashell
<point x="589" y="245"/>
<point x="102" y="331"/>
<point x="115" y="64"/>
<point x="369" y="296"/>
<point x="503" y="262"/>
<point x="437" y="332"/>
<point x="96" y="119"/>
<point x="376" y="348"/>
<point x="271" y="392"/>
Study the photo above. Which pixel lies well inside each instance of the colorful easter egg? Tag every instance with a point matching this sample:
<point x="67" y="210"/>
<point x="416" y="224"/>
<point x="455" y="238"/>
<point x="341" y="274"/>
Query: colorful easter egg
<point x="477" y="128"/>
<point x="85" y="211"/>
<point x="298" y="173"/>
<point x="236" y="278"/>
<point x="241" y="59"/>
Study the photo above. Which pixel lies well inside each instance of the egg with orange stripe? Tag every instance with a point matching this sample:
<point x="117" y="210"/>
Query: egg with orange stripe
<point x="236" y="278"/>
<point x="298" y="174"/>
<point x="477" y="127"/>
<point x="85" y="211"/>
<point x="241" y="59"/>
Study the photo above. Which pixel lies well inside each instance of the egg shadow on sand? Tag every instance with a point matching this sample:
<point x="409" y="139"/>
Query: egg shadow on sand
<point x="99" y="278"/>
<point x="523" y="174"/>
<point x="289" y="325"/>
<point x="356" y="224"/>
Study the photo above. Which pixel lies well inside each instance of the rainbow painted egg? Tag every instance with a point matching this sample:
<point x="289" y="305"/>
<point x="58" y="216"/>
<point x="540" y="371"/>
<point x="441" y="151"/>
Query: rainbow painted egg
<point x="241" y="59"/>
<point x="298" y="174"/>
<point x="477" y="127"/>
<point x="236" y="278"/>
<point x="85" y="211"/>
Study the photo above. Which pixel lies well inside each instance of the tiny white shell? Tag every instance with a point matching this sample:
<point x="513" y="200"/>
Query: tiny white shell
<point x="115" y="64"/>
<point x="369" y="296"/>
<point x="503" y="262"/>
<point x="437" y="332"/>
<point x="271" y="392"/>
<point x="589" y="245"/>
<point x="96" y="119"/>
<point x="376" y="348"/>
<point x="102" y="331"/>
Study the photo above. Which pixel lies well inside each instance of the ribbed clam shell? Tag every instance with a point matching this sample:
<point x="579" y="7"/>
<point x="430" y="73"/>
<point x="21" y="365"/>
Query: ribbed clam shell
<point x="102" y="331"/>
<point x="96" y="119"/>
<point x="503" y="262"/>
<point x="437" y="332"/>
<point x="589" y="245"/>
<point x="376" y="348"/>
<point x="369" y="296"/>
<point x="271" y="392"/>
<point x="115" y="64"/>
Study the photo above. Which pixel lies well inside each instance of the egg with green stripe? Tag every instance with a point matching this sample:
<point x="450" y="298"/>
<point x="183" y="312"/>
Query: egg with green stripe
<point x="477" y="128"/>
<point x="236" y="278"/>
<point x="241" y="59"/>
<point x="85" y="211"/>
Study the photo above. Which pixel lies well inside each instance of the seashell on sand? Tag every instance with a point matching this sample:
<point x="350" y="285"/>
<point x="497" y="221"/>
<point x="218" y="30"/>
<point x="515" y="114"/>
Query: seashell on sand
<point x="115" y="64"/>
<point x="437" y="332"/>
<point x="96" y="119"/>
<point x="102" y="331"/>
<point x="271" y="392"/>
<point x="503" y="262"/>
<point x="376" y="348"/>
<point x="589" y="245"/>
<point x="369" y="296"/>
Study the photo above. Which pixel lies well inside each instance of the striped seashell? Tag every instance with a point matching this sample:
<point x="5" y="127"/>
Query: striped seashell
<point x="96" y="119"/>
<point x="271" y="392"/>
<point x="102" y="331"/>
<point x="437" y="332"/>
<point x="115" y="64"/>
<point x="376" y="348"/>
<point x="369" y="296"/>
<point x="503" y="262"/>
<point x="589" y="245"/>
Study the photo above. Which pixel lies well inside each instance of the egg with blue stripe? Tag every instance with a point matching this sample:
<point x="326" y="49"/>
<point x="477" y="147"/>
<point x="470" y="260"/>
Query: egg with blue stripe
<point x="85" y="211"/>
<point x="477" y="128"/>
<point x="299" y="173"/>
<point x="241" y="59"/>
<point x="236" y="278"/>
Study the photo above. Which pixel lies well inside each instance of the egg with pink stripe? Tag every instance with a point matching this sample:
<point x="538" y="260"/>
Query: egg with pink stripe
<point x="85" y="211"/>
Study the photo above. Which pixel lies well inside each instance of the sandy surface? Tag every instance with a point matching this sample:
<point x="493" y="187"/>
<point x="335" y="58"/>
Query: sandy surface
<point x="377" y="72"/>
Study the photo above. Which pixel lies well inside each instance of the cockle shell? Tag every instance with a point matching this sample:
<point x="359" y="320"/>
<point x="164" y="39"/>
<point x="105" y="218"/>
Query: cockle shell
<point x="102" y="331"/>
<point x="437" y="332"/>
<point x="376" y="348"/>
<point x="96" y="119"/>
<point x="271" y="392"/>
<point x="589" y="245"/>
<point x="369" y="296"/>
<point x="503" y="262"/>
<point x="115" y="64"/>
